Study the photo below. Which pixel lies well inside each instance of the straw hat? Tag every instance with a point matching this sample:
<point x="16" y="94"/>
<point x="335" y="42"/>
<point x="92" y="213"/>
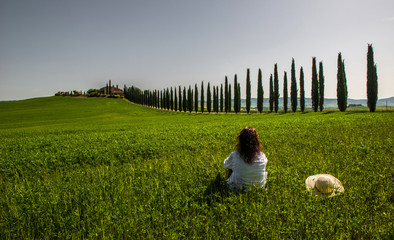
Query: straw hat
<point x="324" y="185"/>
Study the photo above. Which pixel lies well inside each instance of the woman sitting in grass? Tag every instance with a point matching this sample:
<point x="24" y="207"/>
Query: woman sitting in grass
<point x="247" y="164"/>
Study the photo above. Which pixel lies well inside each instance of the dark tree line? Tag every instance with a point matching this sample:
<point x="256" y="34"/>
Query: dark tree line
<point x="227" y="98"/>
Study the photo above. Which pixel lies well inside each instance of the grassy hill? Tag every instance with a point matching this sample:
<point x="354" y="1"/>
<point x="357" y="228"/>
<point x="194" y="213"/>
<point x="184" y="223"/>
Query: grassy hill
<point x="107" y="168"/>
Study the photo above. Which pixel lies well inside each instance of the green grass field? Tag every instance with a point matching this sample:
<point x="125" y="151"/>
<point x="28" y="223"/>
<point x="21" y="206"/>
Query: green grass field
<point x="107" y="168"/>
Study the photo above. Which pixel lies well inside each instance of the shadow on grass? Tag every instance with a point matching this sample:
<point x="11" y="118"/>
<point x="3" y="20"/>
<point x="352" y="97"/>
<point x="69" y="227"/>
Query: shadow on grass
<point x="328" y="112"/>
<point x="217" y="190"/>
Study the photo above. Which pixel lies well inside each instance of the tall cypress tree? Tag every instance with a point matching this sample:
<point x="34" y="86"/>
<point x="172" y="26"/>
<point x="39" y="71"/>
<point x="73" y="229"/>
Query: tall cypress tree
<point x="339" y="82"/>
<point x="175" y="101"/>
<point x="302" y="90"/>
<point x="221" y="97"/>
<point x="321" y="86"/>
<point x="285" y="92"/>
<point x="202" y="102"/>
<point x="372" y="81"/>
<point x="226" y="95"/>
<point x="271" y="94"/>
<point x="236" y="98"/>
<point x="260" y="92"/>
<point x="248" y="91"/>
<point x="195" y="98"/>
<point x="184" y="100"/>
<point x="172" y="99"/>
<point x="190" y="99"/>
<point x="341" y="85"/>
<point x="235" y="94"/>
<point x="161" y="100"/>
<point x="214" y="98"/>
<point x="187" y="104"/>
<point x="229" y="98"/>
<point x="209" y="98"/>
<point x="180" y="99"/>
<point x="276" y="88"/>
<point x="315" y="86"/>
<point x="293" y="88"/>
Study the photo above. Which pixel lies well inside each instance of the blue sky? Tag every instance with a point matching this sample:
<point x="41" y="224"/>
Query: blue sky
<point x="48" y="46"/>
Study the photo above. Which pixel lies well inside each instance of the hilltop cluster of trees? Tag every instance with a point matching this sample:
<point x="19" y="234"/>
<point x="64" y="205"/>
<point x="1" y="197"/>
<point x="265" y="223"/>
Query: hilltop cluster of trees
<point x="220" y="98"/>
<point x="90" y="93"/>
<point x="73" y="93"/>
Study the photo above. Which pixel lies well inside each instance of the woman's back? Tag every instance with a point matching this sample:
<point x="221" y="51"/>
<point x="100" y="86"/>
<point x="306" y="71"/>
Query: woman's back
<point x="246" y="174"/>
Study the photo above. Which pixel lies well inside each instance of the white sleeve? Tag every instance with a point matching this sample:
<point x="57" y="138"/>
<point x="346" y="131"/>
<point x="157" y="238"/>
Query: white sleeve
<point x="228" y="162"/>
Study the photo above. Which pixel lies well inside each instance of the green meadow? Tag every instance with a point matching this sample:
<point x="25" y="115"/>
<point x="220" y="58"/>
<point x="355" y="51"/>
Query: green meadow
<point x="74" y="168"/>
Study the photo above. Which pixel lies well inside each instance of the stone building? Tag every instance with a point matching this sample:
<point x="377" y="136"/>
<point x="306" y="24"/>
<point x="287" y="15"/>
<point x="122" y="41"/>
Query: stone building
<point x="111" y="89"/>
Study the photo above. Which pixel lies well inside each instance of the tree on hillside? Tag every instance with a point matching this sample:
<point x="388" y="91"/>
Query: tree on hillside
<point x="175" y="101"/>
<point x="260" y="92"/>
<point x="202" y="97"/>
<point x="226" y="95"/>
<point x="271" y="94"/>
<point x="158" y="99"/>
<point x="221" y="97"/>
<point x="180" y="99"/>
<point x="248" y="91"/>
<point x="293" y="88"/>
<point x="209" y="98"/>
<point x="214" y="98"/>
<point x="315" y="86"/>
<point x="276" y="88"/>
<point x="235" y="94"/>
<point x="195" y="98"/>
<point x="285" y="92"/>
<point x="302" y="90"/>
<point x="164" y="99"/>
<point x="341" y="85"/>
<point x="172" y="99"/>
<point x="161" y="100"/>
<point x="190" y="99"/>
<point x="321" y="86"/>
<point x="184" y="100"/>
<point x="229" y="98"/>
<point x="372" y="81"/>
<point x="168" y="99"/>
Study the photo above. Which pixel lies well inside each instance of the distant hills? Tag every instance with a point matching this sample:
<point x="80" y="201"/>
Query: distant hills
<point x="328" y="103"/>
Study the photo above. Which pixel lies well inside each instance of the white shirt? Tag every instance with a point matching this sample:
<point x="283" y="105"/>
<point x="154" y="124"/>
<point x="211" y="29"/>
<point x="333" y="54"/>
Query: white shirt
<point x="244" y="174"/>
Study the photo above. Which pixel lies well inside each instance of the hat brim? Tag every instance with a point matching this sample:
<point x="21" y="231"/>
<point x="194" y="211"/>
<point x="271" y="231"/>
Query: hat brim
<point x="310" y="183"/>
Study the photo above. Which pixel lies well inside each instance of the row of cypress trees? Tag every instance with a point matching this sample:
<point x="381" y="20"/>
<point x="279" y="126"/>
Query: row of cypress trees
<point x="219" y="101"/>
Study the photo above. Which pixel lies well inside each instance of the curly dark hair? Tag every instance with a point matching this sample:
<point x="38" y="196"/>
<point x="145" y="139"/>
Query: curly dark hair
<point x="249" y="144"/>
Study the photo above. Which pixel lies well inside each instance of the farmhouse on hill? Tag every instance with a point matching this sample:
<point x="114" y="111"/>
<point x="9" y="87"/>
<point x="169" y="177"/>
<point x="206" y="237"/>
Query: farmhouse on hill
<point x="111" y="89"/>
